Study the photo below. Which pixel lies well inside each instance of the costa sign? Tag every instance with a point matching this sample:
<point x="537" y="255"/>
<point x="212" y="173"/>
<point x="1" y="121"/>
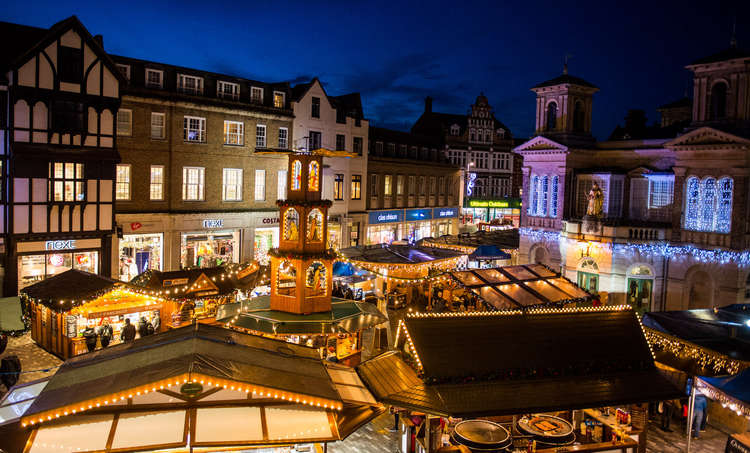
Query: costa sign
<point x="270" y="220"/>
<point x="60" y="245"/>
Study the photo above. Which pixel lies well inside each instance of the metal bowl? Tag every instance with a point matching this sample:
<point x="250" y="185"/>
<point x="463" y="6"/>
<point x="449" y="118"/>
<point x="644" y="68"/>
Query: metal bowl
<point x="482" y="435"/>
<point x="545" y="426"/>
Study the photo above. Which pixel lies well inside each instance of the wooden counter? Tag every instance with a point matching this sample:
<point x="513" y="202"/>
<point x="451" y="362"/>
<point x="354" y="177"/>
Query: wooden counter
<point x="628" y="446"/>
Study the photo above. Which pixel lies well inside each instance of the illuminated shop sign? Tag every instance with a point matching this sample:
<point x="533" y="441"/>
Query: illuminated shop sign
<point x="470" y="184"/>
<point x="213" y="223"/>
<point x="386" y="216"/>
<point x="413" y="215"/>
<point x="513" y="203"/>
<point x="60" y="245"/>
<point x="444" y="213"/>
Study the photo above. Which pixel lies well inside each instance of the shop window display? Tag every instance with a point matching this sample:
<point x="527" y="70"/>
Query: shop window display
<point x="287" y="279"/>
<point x="315" y="226"/>
<point x="265" y="240"/>
<point x="139" y="253"/>
<point x="291" y="225"/>
<point x="209" y="249"/>
<point x="296" y="175"/>
<point x="316" y="279"/>
<point x="35" y="268"/>
<point x="313" y="177"/>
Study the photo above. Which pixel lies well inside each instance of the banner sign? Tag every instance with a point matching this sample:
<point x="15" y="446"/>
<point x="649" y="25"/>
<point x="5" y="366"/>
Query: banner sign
<point x="444" y="213"/>
<point x="386" y="216"/>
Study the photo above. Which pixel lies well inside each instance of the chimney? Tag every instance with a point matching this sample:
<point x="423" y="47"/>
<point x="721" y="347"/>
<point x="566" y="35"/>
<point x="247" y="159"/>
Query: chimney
<point x="99" y="40"/>
<point x="428" y="104"/>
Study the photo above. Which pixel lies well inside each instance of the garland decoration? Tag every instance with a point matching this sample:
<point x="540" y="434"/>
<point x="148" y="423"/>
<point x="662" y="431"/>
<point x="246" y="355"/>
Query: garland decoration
<point x="683" y="349"/>
<point x="304" y="203"/>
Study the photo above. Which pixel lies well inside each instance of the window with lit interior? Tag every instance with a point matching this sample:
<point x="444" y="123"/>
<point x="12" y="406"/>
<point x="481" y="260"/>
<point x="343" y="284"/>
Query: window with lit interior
<point x="708" y="204"/>
<point x="66" y="182"/>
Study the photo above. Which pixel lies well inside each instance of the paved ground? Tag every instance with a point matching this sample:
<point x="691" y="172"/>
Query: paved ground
<point x="371" y="438"/>
<point x="711" y="441"/>
<point x="33" y="358"/>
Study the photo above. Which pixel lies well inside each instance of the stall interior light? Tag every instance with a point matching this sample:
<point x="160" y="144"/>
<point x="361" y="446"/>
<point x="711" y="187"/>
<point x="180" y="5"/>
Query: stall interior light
<point x="211" y="381"/>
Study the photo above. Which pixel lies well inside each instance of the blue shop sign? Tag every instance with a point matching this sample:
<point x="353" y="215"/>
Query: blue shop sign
<point x="386" y="216"/>
<point x="412" y="215"/>
<point x="444" y="213"/>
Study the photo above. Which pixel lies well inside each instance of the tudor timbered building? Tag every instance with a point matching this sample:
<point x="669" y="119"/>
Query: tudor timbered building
<point x="59" y="96"/>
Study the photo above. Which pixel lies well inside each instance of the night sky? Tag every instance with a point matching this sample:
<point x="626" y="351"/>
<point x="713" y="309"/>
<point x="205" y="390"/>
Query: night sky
<point x="397" y="52"/>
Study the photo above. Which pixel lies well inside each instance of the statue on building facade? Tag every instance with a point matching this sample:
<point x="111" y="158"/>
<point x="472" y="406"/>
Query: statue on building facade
<point x="596" y="201"/>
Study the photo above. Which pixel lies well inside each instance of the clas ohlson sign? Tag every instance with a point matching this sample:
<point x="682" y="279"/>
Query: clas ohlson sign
<point x="509" y="203"/>
<point x="386" y="216"/>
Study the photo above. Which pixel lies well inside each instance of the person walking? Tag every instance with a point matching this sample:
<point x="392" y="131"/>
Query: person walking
<point x="128" y="332"/>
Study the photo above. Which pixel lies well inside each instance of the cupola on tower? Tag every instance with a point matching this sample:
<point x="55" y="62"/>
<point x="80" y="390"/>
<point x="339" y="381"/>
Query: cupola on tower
<point x="721" y="88"/>
<point x="563" y="108"/>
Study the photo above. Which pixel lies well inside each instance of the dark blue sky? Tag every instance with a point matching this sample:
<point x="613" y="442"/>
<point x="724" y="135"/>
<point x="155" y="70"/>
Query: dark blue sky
<point x="397" y="52"/>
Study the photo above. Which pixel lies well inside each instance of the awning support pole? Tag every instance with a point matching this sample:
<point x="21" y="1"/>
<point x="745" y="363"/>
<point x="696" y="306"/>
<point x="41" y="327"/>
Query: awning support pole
<point x="691" y="408"/>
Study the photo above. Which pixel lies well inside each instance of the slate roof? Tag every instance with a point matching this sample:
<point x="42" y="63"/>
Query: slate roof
<point x="725" y="55"/>
<point x="17" y="39"/>
<point x="684" y="102"/>
<point x="438" y="124"/>
<point x="503" y="364"/>
<point x="351" y="102"/>
<point x="565" y="79"/>
<point x="154" y="280"/>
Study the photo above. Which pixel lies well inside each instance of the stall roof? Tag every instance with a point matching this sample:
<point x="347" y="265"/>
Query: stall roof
<point x="68" y="286"/>
<point x="489" y="252"/>
<point x="723" y="330"/>
<point x="205" y="282"/>
<point x="398" y="254"/>
<point x="346" y="316"/>
<point x="505" y="239"/>
<point x="734" y="390"/>
<point x="514" y="362"/>
<point x="206" y="380"/>
<point x="514" y="287"/>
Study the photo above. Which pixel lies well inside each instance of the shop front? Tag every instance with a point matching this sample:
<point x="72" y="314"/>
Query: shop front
<point x="444" y="221"/>
<point x="486" y="211"/>
<point x="140" y="253"/>
<point x="211" y="246"/>
<point x="385" y="226"/>
<point x="40" y="260"/>
<point x="418" y="224"/>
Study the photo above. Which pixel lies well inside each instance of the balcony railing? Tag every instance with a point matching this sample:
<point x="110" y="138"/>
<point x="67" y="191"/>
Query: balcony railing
<point x="706" y="238"/>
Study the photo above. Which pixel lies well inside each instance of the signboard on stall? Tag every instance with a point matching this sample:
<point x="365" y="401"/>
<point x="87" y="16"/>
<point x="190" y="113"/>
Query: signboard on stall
<point x="734" y="445"/>
<point x="444" y="213"/>
<point x="175" y="282"/>
<point x="71" y="326"/>
<point x="123" y="311"/>
<point x="386" y="216"/>
<point x="413" y="215"/>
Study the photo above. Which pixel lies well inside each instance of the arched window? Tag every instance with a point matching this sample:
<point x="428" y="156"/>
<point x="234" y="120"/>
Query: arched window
<point x="291" y="225"/>
<point x="553" y="196"/>
<point x="313" y="176"/>
<point x="533" y="195"/>
<point x="719" y="101"/>
<point x="472" y="135"/>
<point x="315" y="279"/>
<point x="286" y="279"/>
<point x="544" y="196"/>
<point x="579" y="117"/>
<point x="724" y="211"/>
<point x="296" y="175"/>
<point x="551" y="116"/>
<point x="692" y="201"/>
<point x="315" y="226"/>
<point x="708" y="204"/>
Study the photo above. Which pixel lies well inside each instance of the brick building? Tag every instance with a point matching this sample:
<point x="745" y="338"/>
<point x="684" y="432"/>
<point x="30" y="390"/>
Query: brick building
<point x="481" y="146"/>
<point x="413" y="190"/>
<point x="656" y="217"/>
<point x="190" y="189"/>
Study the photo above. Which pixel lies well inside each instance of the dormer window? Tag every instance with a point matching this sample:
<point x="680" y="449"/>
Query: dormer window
<point x="256" y="95"/>
<point x="501" y="134"/>
<point x="279" y="99"/>
<point x="154" y="78"/>
<point x="189" y="84"/>
<point x="228" y="90"/>
<point x="455" y="130"/>
<point x="124" y="70"/>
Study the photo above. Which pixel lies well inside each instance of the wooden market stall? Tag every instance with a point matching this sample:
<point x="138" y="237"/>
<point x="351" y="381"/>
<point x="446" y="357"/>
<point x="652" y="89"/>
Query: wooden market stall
<point x="197" y="388"/>
<point x="576" y="378"/>
<point x="64" y="306"/>
<point x="200" y="291"/>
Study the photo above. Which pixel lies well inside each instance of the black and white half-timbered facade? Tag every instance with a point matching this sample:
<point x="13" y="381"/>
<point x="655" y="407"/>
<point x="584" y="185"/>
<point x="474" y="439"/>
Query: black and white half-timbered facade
<point x="59" y="96"/>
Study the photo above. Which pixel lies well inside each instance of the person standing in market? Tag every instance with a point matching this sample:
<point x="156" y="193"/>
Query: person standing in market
<point x="128" y="332"/>
<point x="142" y="327"/>
<point x="105" y="335"/>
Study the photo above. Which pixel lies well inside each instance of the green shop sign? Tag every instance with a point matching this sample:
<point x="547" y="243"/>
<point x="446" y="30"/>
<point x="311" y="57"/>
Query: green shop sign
<point x="512" y="203"/>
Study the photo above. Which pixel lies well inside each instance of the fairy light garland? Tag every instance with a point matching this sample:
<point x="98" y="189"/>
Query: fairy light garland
<point x="165" y="384"/>
<point x="451" y="264"/>
<point x="666" y="250"/>
<point x="706" y="358"/>
<point x="539" y="235"/>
